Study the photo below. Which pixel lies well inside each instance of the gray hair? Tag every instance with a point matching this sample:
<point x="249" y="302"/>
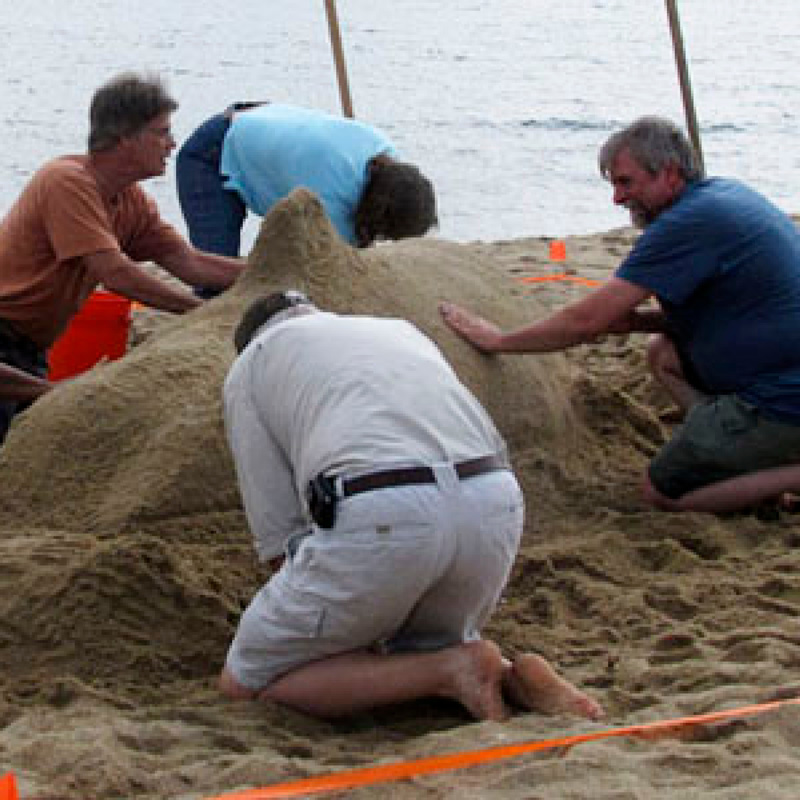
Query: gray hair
<point x="124" y="106"/>
<point x="654" y="143"/>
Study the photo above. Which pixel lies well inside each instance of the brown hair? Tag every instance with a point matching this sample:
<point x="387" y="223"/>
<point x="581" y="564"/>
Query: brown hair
<point x="124" y="106"/>
<point x="397" y="202"/>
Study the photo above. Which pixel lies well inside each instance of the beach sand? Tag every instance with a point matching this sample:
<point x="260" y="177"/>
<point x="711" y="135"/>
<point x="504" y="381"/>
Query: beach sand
<point x="126" y="561"/>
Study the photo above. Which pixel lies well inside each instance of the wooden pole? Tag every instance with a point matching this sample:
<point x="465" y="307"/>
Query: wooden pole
<point x="338" y="57"/>
<point x="683" y="77"/>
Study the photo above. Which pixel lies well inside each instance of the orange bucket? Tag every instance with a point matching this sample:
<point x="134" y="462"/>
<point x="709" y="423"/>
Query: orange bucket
<point x="8" y="787"/>
<point x="99" y="330"/>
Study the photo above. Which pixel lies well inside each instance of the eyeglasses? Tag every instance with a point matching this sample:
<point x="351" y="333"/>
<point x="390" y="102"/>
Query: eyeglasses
<point x="159" y="131"/>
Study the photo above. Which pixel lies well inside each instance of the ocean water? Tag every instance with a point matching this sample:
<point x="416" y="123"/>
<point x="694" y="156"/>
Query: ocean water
<point x="503" y="104"/>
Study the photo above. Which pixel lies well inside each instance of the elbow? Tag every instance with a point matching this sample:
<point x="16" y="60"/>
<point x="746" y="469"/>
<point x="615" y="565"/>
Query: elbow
<point x="576" y="325"/>
<point x="115" y="278"/>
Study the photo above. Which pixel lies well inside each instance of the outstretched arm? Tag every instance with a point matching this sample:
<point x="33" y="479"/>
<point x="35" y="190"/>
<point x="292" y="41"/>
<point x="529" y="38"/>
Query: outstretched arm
<point x="120" y="274"/>
<point x="16" y="384"/>
<point x="609" y="309"/>
<point x="198" y="268"/>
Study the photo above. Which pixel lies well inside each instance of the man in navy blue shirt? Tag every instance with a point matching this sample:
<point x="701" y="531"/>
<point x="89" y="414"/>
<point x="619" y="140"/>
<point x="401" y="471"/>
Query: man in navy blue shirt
<point x="723" y="264"/>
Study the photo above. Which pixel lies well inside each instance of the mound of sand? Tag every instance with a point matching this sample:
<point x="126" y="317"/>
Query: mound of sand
<point x="127" y="559"/>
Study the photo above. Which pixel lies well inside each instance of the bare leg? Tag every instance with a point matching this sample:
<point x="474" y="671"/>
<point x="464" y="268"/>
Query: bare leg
<point x="665" y="364"/>
<point x="734" y="494"/>
<point x="351" y="682"/>
<point x="532" y="683"/>
<point x="230" y="687"/>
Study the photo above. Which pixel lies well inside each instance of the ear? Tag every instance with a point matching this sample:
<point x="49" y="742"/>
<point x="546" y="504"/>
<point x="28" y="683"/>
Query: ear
<point x="673" y="176"/>
<point x="125" y="143"/>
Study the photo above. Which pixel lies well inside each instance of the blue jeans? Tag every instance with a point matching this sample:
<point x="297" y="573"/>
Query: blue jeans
<point x="214" y="215"/>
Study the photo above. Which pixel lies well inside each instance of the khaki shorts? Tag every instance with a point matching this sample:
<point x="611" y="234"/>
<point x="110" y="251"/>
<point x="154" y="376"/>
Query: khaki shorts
<point x="721" y="438"/>
<point x="407" y="568"/>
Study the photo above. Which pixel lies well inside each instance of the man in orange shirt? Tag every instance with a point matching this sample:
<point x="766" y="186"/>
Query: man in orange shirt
<point x="83" y="221"/>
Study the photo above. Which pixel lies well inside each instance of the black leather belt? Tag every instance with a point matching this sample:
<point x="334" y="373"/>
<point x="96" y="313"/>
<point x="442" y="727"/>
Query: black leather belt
<point x="245" y="105"/>
<point x="406" y="477"/>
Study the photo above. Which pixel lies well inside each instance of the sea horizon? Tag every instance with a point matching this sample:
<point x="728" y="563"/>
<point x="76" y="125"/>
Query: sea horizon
<point x="502" y="105"/>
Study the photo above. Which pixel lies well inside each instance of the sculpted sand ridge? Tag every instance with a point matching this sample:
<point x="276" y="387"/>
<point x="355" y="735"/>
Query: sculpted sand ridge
<point x="126" y="558"/>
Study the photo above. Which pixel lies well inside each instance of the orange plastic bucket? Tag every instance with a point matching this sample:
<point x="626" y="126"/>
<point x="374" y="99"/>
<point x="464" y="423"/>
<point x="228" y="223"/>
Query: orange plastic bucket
<point x="99" y="330"/>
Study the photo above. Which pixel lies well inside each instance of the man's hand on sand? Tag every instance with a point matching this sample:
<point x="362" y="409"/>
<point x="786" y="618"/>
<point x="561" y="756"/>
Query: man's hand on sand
<point x="479" y="332"/>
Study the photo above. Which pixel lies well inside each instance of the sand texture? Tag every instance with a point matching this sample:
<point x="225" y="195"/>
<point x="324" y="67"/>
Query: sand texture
<point x="126" y="561"/>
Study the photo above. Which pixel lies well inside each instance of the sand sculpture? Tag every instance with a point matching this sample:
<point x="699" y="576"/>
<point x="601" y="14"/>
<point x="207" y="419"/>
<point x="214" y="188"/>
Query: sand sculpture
<point x="121" y="484"/>
<point x="125" y="558"/>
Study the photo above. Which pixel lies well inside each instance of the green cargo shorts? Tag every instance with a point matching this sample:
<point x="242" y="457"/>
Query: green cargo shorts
<point x="722" y="437"/>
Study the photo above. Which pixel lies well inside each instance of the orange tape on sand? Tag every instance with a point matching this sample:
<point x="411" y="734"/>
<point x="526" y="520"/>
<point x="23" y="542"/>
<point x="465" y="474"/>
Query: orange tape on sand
<point x="340" y="781"/>
<point x="561" y="276"/>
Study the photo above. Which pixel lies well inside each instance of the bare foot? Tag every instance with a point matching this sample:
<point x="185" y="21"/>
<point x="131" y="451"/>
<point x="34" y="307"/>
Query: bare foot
<point x="474" y="677"/>
<point x="479" y="332"/>
<point x="533" y="684"/>
<point x="230" y="687"/>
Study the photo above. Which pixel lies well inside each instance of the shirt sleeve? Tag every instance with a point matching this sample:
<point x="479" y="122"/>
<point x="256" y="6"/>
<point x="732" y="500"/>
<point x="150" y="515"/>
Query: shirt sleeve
<point x="266" y="479"/>
<point x="671" y="258"/>
<point x="75" y="216"/>
<point x="145" y="236"/>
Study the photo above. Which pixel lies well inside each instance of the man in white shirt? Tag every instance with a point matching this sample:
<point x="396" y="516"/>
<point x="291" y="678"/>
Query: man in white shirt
<point x="365" y="461"/>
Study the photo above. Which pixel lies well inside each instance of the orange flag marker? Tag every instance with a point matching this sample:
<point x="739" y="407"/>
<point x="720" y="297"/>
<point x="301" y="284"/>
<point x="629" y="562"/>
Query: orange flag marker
<point x="558" y="250"/>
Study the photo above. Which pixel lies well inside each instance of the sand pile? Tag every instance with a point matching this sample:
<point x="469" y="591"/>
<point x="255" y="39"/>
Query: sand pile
<point x="127" y="559"/>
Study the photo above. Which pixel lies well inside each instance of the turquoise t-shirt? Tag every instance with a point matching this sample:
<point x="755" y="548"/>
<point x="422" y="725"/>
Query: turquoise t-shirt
<point x="273" y="149"/>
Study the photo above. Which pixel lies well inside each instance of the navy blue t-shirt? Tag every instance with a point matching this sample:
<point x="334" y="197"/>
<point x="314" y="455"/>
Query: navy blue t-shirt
<point x="724" y="264"/>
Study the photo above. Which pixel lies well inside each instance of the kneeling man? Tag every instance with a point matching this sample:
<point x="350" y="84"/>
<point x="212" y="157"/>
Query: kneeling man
<point x="380" y="490"/>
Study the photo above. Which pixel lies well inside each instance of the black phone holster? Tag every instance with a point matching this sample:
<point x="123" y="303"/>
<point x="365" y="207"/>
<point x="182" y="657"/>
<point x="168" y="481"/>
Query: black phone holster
<point x="322" y="500"/>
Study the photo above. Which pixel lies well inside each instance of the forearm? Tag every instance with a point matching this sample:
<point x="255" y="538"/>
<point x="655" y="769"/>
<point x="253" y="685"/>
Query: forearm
<point x="562" y="330"/>
<point x="198" y="268"/>
<point x="136" y="284"/>
<point x="16" y="384"/>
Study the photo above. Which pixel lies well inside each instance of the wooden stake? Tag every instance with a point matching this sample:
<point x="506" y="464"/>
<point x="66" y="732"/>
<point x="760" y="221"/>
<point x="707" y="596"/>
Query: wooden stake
<point x="683" y="77"/>
<point x="338" y="57"/>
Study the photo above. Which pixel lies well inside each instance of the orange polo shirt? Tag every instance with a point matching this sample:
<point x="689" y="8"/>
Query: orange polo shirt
<point x="59" y="217"/>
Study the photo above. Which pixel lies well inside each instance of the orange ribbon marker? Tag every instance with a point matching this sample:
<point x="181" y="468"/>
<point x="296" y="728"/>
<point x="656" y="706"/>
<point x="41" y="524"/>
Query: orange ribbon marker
<point x="341" y="781"/>
<point x="558" y="250"/>
<point x="561" y="276"/>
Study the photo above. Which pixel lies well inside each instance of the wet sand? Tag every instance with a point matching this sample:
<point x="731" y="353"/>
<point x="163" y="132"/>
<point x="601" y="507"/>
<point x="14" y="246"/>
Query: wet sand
<point x="127" y="561"/>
